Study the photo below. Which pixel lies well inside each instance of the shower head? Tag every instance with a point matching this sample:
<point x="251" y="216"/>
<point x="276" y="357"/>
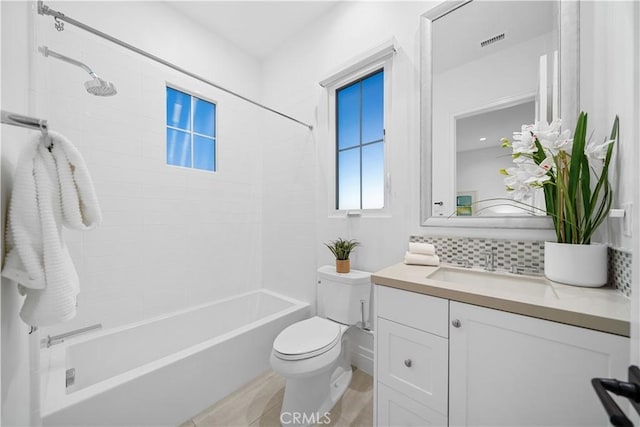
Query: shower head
<point x="97" y="86"/>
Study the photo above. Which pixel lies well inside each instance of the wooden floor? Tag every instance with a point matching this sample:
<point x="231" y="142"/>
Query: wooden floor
<point x="258" y="404"/>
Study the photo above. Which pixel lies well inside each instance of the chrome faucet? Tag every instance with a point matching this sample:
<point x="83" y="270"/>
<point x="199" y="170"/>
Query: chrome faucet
<point x="462" y="262"/>
<point x="489" y="261"/>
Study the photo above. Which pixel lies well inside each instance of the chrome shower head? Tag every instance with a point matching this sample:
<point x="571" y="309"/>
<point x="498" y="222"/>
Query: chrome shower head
<point x="97" y="86"/>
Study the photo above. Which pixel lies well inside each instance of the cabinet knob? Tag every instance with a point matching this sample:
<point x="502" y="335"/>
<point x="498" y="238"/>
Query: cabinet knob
<point x="408" y="363"/>
<point x="456" y="323"/>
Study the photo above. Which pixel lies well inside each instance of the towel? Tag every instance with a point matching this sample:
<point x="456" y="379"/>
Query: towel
<point x="419" y="259"/>
<point x="52" y="188"/>
<point x="422" y="248"/>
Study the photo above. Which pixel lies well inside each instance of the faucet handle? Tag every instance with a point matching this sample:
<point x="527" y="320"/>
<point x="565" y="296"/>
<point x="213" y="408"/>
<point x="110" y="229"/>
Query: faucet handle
<point x="521" y="269"/>
<point x="463" y="262"/>
<point x="489" y="261"/>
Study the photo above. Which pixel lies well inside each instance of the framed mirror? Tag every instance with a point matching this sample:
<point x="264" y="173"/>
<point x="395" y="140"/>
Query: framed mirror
<point x="488" y="67"/>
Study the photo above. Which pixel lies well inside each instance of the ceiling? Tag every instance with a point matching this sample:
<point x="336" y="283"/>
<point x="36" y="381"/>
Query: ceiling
<point x="456" y="37"/>
<point x="256" y="27"/>
<point x="492" y="125"/>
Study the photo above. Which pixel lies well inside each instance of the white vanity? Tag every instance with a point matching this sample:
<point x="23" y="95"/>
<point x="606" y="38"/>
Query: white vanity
<point x="520" y="351"/>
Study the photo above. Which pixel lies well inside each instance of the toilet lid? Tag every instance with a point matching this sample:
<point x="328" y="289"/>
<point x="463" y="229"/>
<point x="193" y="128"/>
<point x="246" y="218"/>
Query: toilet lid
<point x="307" y="338"/>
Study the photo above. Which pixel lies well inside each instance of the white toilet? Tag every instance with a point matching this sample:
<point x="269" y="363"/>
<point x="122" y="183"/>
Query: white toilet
<point x="312" y="354"/>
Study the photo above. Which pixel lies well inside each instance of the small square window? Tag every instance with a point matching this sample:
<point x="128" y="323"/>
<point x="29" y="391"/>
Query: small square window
<point x="191" y="131"/>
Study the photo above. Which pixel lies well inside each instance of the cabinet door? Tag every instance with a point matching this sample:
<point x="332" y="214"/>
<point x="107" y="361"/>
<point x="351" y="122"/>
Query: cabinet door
<point x="513" y="370"/>
<point x="414" y="363"/>
<point x="397" y="410"/>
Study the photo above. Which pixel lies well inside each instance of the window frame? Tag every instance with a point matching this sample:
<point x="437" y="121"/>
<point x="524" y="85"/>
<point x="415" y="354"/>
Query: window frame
<point x="360" y="72"/>
<point x="193" y="94"/>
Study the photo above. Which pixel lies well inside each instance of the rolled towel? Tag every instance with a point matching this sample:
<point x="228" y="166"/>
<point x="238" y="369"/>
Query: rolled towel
<point x="418" y="259"/>
<point x="422" y="248"/>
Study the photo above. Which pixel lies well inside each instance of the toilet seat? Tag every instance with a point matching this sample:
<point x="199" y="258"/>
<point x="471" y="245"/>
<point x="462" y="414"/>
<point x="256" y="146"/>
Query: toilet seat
<point x="306" y="339"/>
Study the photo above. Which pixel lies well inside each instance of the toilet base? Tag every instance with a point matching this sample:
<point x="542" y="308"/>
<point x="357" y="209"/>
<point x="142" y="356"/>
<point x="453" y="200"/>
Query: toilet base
<point x="307" y="401"/>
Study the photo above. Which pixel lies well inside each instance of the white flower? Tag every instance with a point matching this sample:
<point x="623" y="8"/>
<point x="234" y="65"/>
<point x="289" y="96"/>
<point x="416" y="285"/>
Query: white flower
<point x="595" y="151"/>
<point x="526" y="177"/>
<point x="524" y="142"/>
<point x="559" y="142"/>
<point x="530" y="173"/>
<point x="519" y="191"/>
<point x="515" y="183"/>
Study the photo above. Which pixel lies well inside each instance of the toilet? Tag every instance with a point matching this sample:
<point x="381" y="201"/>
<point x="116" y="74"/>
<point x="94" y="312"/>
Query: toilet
<point x="313" y="354"/>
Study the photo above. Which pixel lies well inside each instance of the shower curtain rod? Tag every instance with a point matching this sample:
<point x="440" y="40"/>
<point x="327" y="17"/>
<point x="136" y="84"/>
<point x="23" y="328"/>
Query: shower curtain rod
<point x="14" y="119"/>
<point x="58" y="16"/>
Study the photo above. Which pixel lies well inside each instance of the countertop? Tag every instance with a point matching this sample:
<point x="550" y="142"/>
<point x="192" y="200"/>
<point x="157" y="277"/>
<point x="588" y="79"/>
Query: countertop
<point x="602" y="309"/>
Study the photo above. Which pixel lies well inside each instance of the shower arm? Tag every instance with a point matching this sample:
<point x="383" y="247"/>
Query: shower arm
<point x="48" y="52"/>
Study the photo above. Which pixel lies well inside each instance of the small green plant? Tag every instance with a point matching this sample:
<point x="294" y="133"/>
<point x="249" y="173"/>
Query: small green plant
<point x="341" y="248"/>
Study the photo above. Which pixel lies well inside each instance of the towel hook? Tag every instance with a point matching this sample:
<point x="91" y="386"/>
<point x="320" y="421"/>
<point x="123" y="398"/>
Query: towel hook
<point x="44" y="128"/>
<point x="58" y="24"/>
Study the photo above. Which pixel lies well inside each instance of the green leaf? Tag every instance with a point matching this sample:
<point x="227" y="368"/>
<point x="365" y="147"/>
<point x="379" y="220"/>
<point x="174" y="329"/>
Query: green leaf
<point x="342" y="248"/>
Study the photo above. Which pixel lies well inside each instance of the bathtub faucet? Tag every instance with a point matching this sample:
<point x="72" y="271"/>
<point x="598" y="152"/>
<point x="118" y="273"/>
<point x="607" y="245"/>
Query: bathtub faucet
<point x="57" y="339"/>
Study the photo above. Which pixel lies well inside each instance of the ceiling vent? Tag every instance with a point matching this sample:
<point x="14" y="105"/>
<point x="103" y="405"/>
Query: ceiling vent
<point x="493" y="39"/>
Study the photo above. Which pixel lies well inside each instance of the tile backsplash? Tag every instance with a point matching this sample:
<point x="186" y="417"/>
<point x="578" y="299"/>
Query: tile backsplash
<point x="526" y="253"/>
<point x="620" y="270"/>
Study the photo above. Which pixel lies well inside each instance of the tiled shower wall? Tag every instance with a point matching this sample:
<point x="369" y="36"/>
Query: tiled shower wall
<point x="527" y="253"/>
<point x="171" y="237"/>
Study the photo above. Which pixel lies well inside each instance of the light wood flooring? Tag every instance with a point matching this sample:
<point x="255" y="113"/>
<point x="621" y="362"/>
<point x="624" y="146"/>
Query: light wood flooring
<point x="258" y="404"/>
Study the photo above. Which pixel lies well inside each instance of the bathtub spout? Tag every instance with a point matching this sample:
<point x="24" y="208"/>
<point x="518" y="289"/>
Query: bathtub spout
<point x="57" y="339"/>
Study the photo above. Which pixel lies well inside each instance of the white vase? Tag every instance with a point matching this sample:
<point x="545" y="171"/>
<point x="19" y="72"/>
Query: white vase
<point x="578" y="265"/>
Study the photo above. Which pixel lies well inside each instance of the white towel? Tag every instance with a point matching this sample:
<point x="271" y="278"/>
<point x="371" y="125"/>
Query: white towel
<point x="419" y="259"/>
<point x="422" y="248"/>
<point x="51" y="189"/>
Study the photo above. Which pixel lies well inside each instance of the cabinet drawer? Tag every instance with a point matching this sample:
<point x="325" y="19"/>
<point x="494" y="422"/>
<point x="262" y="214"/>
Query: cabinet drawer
<point x="419" y="311"/>
<point x="395" y="409"/>
<point x="414" y="363"/>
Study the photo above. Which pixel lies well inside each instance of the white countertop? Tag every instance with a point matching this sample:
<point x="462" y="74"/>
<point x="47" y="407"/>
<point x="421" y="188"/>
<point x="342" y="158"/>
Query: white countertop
<point x="603" y="309"/>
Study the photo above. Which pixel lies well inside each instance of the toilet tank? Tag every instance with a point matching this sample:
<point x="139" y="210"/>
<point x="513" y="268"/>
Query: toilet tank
<point x="339" y="294"/>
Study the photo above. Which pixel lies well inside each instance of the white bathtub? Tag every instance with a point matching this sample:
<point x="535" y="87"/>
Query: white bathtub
<point x="161" y="372"/>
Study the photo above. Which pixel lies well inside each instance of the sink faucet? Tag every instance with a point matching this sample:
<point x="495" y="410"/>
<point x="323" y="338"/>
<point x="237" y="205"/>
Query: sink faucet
<point x="464" y="263"/>
<point x="489" y="261"/>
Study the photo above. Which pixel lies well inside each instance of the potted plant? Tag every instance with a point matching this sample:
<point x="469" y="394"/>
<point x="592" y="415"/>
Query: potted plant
<point x="341" y="249"/>
<point x="573" y="174"/>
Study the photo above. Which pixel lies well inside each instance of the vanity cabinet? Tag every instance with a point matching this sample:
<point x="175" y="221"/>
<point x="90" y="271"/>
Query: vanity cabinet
<point x="412" y="358"/>
<point x="486" y="367"/>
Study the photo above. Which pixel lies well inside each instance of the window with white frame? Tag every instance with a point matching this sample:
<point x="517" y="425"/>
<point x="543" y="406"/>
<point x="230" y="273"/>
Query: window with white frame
<point x="359" y="136"/>
<point x="191" y="131"/>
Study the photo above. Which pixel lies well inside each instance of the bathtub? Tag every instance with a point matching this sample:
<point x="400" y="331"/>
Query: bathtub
<point x="163" y="371"/>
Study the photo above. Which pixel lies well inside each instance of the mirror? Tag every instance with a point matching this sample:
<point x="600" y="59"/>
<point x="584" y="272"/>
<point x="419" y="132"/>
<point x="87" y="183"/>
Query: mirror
<point x="488" y="67"/>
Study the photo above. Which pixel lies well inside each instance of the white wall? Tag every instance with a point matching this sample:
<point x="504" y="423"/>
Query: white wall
<point x="19" y="392"/>
<point x="171" y="237"/>
<point x="609" y="86"/>
<point x="292" y="75"/>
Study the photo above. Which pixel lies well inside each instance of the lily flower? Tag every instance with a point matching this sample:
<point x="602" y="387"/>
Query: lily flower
<point x="524" y="142"/>
<point x="560" y="142"/>
<point x="595" y="151"/>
